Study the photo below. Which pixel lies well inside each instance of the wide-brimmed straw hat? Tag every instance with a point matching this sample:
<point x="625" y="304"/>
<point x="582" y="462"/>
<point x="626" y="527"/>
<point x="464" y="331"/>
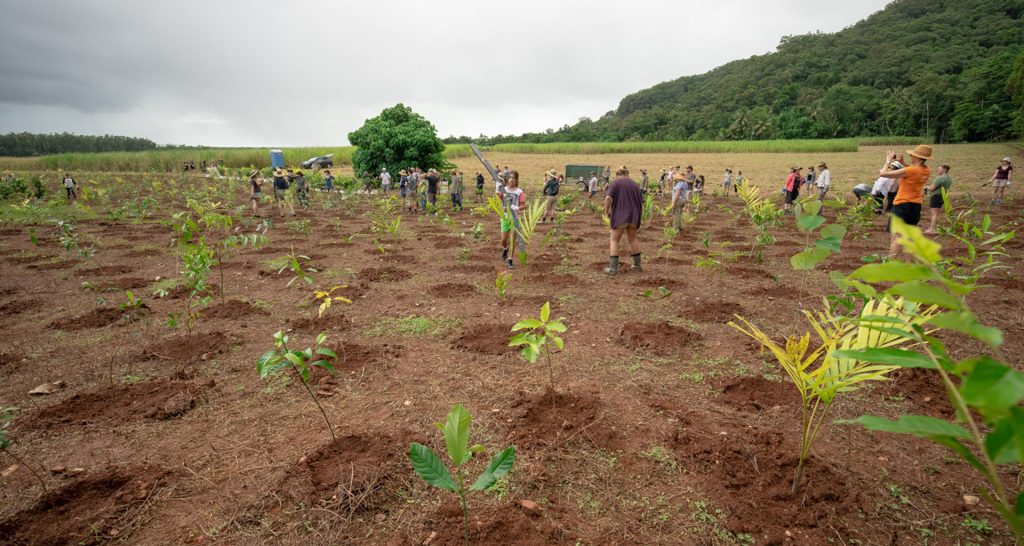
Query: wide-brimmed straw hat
<point x="552" y="174"/>
<point x="1007" y="159"/>
<point x="679" y="176"/>
<point x="403" y="172"/>
<point x="921" y="151"/>
<point x="254" y="173"/>
<point x="279" y="173"/>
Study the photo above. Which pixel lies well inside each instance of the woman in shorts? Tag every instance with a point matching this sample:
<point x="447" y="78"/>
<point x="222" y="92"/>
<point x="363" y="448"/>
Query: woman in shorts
<point x="257" y="186"/>
<point x="937" y="201"/>
<point x="1000" y="180"/>
<point x="910" y="196"/>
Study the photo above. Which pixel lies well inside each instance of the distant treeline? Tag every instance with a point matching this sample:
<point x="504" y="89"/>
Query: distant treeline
<point x="32" y="144"/>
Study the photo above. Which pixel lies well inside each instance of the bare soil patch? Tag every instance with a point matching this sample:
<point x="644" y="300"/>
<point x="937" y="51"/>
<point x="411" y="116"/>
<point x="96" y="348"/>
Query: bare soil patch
<point x="384" y="274"/>
<point x="201" y="346"/>
<point x="487" y="339"/>
<point x="15" y="307"/>
<point x="99" y="318"/>
<point x="63" y="264"/>
<point x="112" y="406"/>
<point x="713" y="311"/>
<point x="233" y="310"/>
<point x="554" y="419"/>
<point x="451" y="290"/>
<point x="661" y="338"/>
<point x="109" y="270"/>
<point x="755" y="394"/>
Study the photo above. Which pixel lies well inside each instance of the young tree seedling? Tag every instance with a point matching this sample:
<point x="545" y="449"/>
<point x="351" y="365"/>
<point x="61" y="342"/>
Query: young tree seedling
<point x="326" y="299"/>
<point x="538" y="331"/>
<point x="274" y="362"/>
<point x="429" y="466"/>
<point x="299" y="273"/>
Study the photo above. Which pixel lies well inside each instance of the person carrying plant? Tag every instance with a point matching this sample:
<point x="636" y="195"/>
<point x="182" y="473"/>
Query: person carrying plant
<point x="1000" y="180"/>
<point x="624" y="206"/>
<point x="69" y="187"/>
<point x="910" y="196"/>
<point x="257" y="186"/>
<point x="301" y="189"/>
<point x="550" y="196"/>
<point x="455" y="190"/>
<point x="512" y="197"/>
<point x="937" y="201"/>
<point x="824" y="180"/>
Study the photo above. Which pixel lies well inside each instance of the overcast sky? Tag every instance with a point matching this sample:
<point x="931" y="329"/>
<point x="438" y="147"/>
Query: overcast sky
<point x="262" y="73"/>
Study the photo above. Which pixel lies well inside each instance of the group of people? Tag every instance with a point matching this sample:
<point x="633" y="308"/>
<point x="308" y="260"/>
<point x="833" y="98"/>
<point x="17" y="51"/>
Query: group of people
<point x="283" y="179"/>
<point x="820" y="181"/>
<point x="190" y="165"/>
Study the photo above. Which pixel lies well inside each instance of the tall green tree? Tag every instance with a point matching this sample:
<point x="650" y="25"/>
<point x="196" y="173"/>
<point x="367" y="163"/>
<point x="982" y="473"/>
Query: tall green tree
<point x="396" y="139"/>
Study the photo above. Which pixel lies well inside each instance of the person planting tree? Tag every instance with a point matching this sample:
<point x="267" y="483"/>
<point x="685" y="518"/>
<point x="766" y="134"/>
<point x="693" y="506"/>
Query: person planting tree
<point x="910" y="195"/>
<point x="624" y="205"/>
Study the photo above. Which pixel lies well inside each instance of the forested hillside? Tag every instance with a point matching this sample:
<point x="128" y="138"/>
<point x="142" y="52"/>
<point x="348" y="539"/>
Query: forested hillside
<point x="30" y="144"/>
<point x="950" y="70"/>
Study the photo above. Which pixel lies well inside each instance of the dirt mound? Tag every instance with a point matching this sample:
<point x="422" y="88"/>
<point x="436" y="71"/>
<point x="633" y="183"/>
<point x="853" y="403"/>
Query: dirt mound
<point x="110" y="406"/>
<point x="472" y="268"/>
<point x="750" y="472"/>
<point x="15" y="307"/>
<point x="396" y="258"/>
<point x="353" y="356"/>
<point x="108" y="270"/>
<point x="124" y="283"/>
<point x="233" y="310"/>
<point x="95" y="509"/>
<point x="28" y="259"/>
<point x="488" y="339"/>
<point x="143" y="253"/>
<point x="505" y="524"/>
<point x="184" y="349"/>
<point x="661" y="338"/>
<point x="557" y="418"/>
<point x="922" y="387"/>
<point x="719" y="311"/>
<point x="775" y="291"/>
<point x="555" y="279"/>
<point x="98" y="318"/>
<point x="384" y="274"/>
<point x="656" y="281"/>
<point x="450" y="290"/>
<point x="755" y="394"/>
<point x="64" y="264"/>
<point x="332" y="321"/>
<point x="749" y="273"/>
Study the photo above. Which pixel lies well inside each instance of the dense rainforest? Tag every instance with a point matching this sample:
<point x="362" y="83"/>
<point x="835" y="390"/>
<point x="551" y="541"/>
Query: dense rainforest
<point x="948" y="70"/>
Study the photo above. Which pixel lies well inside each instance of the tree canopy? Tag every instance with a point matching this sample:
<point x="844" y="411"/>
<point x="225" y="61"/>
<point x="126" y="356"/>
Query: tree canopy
<point x="396" y="139"/>
<point x="31" y="144"/>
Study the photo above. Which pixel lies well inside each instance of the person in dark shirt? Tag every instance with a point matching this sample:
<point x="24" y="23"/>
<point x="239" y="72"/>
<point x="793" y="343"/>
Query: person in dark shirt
<point x="623" y="204"/>
<point x="433" y="180"/>
<point x="479" y="187"/>
<point x="550" y="195"/>
<point x="257" y="186"/>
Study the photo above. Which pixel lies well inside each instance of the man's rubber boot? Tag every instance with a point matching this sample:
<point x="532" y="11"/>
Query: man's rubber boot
<point x="504" y="254"/>
<point x="636" y="262"/>
<point x="509" y="264"/>
<point x="613" y="266"/>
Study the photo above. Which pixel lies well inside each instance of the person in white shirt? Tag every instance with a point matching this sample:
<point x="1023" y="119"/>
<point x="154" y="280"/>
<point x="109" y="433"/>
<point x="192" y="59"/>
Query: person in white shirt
<point x="385" y="181"/>
<point x="69" y="187"/>
<point x="878" y="192"/>
<point x="592" y="186"/>
<point x="824" y="180"/>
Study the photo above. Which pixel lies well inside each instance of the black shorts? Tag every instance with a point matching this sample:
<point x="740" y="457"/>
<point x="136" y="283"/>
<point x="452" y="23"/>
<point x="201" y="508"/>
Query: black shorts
<point x="936" y="201"/>
<point x="910" y="213"/>
<point x="792" y="195"/>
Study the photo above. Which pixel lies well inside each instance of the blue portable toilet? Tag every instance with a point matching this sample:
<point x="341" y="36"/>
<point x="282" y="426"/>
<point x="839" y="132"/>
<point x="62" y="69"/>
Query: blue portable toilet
<point x="276" y="159"/>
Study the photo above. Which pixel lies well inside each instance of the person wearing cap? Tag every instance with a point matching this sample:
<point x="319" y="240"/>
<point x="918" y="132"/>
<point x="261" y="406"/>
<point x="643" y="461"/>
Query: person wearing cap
<point x="792" y="187"/>
<point x="455" y="188"/>
<point x="624" y="206"/>
<point x="1000" y="180"/>
<point x="937" y="200"/>
<point x="328" y="181"/>
<point x="69" y="187"/>
<point x="680" y="197"/>
<point x="385" y="181"/>
<point x="257" y="186"/>
<point x="280" y="187"/>
<point x="550" y="191"/>
<point x="910" y="196"/>
<point x="824" y="179"/>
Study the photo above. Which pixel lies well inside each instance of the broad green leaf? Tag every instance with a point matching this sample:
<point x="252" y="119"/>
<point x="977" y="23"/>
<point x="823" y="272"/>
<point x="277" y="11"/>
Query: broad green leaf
<point x="498" y="467"/>
<point x="912" y="240"/>
<point x="830" y="244"/>
<point x="556" y="326"/>
<point x="545" y="311"/>
<point x="456" y="433"/>
<point x="894" y="271"/>
<point x="326" y="352"/>
<point x="918" y="425"/>
<point x="1005" y="444"/>
<point x="1019" y="505"/>
<point x="295" y="358"/>
<point x="519" y="339"/>
<point x="992" y="387"/>
<point x="527" y="324"/>
<point x="476" y="448"/>
<point x="265" y="363"/>
<point x="965" y="322"/>
<point x="808" y="259"/>
<point x="429" y="467"/>
<point x="837" y="231"/>
<point x="324" y="364"/>
<point x="321" y="337"/>
<point x="558" y="342"/>
<point x="530" y="353"/>
<point x="810" y="223"/>
<point x="922" y="292"/>
<point x="810" y="207"/>
<point x="890" y="357"/>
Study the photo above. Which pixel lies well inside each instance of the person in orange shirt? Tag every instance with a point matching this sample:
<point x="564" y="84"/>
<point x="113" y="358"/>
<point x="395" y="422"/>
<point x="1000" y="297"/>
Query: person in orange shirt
<point x="910" y="195"/>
